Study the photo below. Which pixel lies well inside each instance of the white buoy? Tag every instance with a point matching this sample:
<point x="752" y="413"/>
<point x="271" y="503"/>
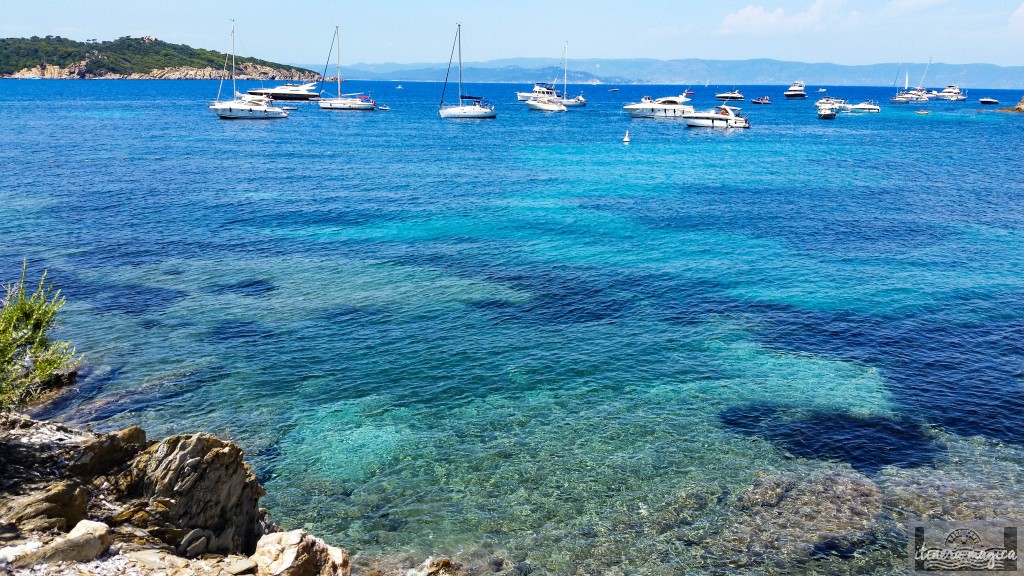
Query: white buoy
<point x="625" y="140"/>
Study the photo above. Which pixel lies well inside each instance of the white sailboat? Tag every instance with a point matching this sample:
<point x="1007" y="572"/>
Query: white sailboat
<point x="578" y="101"/>
<point x="354" y="101"/>
<point x="468" y="106"/>
<point x="243" y="107"/>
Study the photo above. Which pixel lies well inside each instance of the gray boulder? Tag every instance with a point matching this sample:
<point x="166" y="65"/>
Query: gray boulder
<point x="194" y="490"/>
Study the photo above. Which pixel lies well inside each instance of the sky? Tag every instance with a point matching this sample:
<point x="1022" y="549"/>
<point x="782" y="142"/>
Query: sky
<point x="409" y="31"/>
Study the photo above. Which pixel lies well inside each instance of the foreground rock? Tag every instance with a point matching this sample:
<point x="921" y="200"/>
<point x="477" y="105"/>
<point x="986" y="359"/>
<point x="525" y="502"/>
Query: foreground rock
<point x="86" y="541"/>
<point x="196" y="493"/>
<point x="296" y="553"/>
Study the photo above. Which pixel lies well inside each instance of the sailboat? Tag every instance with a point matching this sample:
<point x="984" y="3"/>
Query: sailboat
<point x="243" y="106"/>
<point x="354" y="101"/>
<point x="468" y="106"/>
<point x="578" y="101"/>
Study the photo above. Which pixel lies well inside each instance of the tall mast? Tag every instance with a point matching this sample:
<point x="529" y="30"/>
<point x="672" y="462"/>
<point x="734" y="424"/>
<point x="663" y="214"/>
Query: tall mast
<point x="458" y="35"/>
<point x="565" y="70"/>
<point x="337" y="36"/>
<point x="234" y="89"/>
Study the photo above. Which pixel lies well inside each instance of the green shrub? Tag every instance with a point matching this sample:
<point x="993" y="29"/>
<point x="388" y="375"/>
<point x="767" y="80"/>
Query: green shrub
<point x="30" y="362"/>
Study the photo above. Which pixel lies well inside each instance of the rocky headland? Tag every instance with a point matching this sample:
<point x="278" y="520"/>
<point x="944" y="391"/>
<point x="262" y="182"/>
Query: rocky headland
<point x="1019" y="108"/>
<point x="245" y="71"/>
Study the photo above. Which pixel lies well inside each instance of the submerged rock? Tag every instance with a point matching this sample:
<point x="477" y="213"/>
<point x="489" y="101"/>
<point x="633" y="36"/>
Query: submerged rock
<point x="296" y="553"/>
<point x="190" y="482"/>
<point x="786" y="519"/>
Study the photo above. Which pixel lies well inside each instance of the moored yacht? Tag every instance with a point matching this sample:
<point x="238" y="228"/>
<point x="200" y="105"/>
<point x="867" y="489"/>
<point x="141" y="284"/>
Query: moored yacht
<point x="540" y="90"/>
<point x="288" y="92"/>
<point x="952" y="92"/>
<point x="665" y="107"/>
<point x="356" y="101"/>
<point x="866" y="106"/>
<point x="723" y="116"/>
<point x="796" y="90"/>
<point x="243" y="107"/>
<point x="469" y="106"/>
<point x="988" y="101"/>
<point x="546" y="105"/>
<point x="730" y="95"/>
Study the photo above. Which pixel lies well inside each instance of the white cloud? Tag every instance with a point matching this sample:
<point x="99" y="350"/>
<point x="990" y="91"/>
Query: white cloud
<point x="1017" y="18"/>
<point x="903" y="7"/>
<point x="758" y="20"/>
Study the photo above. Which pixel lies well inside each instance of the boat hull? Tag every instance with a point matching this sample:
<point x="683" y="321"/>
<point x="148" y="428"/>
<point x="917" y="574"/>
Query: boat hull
<point x="795" y="95"/>
<point x="715" y="121"/>
<point x="546" y="106"/>
<point x="347" y="104"/>
<point x="655" y="111"/>
<point x="236" y="111"/>
<point x="467" y="112"/>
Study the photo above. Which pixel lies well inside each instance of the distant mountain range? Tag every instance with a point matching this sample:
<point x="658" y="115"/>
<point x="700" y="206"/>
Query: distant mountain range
<point x="697" y="72"/>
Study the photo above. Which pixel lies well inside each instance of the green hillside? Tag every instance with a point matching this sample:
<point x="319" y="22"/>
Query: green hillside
<point x="122" y="56"/>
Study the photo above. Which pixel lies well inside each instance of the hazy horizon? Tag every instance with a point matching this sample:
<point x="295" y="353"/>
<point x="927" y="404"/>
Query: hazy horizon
<point x="839" y="32"/>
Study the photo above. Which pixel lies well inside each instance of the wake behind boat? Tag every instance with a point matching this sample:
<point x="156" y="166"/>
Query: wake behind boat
<point x="665" y="107"/>
<point x="468" y="106"/>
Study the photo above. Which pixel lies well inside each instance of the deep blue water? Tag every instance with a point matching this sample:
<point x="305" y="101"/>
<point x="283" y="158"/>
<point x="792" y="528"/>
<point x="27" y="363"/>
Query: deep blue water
<point x="522" y="336"/>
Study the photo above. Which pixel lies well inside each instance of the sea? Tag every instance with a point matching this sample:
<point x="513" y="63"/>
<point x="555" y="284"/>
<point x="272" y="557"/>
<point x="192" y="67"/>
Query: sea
<point x="523" y="339"/>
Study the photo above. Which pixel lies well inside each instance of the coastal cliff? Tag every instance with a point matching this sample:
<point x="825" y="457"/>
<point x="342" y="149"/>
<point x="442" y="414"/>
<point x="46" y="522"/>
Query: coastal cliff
<point x="1019" y="108"/>
<point x="131" y="58"/>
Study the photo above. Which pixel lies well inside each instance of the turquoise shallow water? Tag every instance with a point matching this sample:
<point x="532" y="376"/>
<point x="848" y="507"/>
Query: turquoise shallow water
<point x="521" y="337"/>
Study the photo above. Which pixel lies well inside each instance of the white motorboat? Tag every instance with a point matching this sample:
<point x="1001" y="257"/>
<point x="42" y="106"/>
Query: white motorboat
<point x="546" y="105"/>
<point x="354" y="101"/>
<point x="243" y="107"/>
<point x="577" y="102"/>
<point x="796" y="90"/>
<point x="666" y="107"/>
<point x="827" y="111"/>
<point x="723" y="116"/>
<point x="289" y="92"/>
<point x="952" y="92"/>
<point x="829" y="102"/>
<point x="468" y="106"/>
<point x="988" y="101"/>
<point x="730" y="95"/>
<point x="865" y="106"/>
<point x="540" y="90"/>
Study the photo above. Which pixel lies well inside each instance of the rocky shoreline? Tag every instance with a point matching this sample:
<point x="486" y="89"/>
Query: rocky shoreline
<point x="245" y="71"/>
<point x="1019" y="108"/>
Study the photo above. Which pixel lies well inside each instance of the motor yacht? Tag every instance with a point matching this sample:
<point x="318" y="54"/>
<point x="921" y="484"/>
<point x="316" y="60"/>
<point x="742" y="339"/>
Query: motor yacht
<point x="540" y="90"/>
<point x="827" y="111"/>
<point x="866" y="106"/>
<point x="951" y="92"/>
<point x="289" y="92"/>
<point x="577" y="102"/>
<point x="796" y="90"/>
<point x="546" y="105"/>
<point x="665" y="107"/>
<point x="988" y="101"/>
<point x="723" y="116"/>
<point x="730" y="95"/>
